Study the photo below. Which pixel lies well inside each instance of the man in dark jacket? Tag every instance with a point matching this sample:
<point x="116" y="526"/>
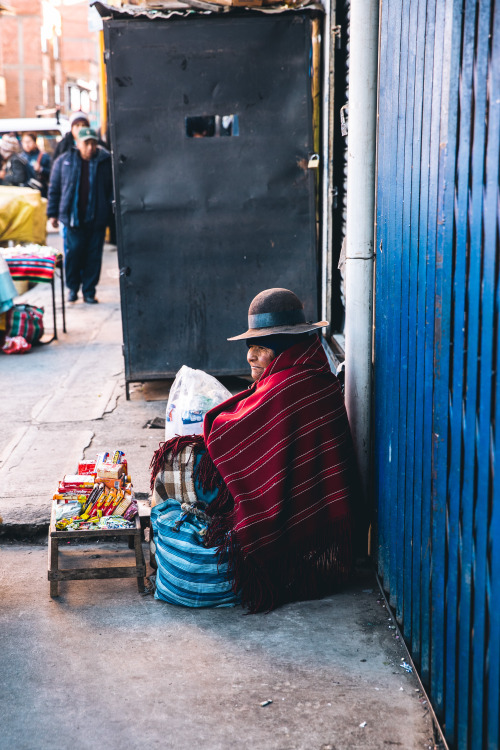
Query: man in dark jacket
<point x="80" y="196"/>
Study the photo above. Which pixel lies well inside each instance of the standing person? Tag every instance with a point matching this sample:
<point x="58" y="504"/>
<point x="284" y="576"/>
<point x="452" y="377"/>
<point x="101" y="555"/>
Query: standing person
<point x="38" y="161"/>
<point x="77" y="121"/>
<point x="15" y="167"/>
<point x="80" y="196"/>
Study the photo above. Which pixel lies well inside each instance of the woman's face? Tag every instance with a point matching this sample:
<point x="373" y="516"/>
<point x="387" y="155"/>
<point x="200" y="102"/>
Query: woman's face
<point x="28" y="143"/>
<point x="259" y="358"/>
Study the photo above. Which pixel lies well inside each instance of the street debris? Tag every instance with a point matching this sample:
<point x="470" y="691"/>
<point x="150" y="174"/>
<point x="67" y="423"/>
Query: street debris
<point x="149" y="585"/>
<point x="265" y="703"/>
<point x="157" y="423"/>
<point x="363" y="724"/>
<point x="406" y="667"/>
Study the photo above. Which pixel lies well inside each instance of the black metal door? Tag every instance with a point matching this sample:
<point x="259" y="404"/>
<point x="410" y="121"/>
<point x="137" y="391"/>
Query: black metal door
<point x="211" y="131"/>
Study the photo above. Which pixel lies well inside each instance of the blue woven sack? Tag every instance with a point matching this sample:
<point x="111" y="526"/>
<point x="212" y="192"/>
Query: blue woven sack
<point x="188" y="573"/>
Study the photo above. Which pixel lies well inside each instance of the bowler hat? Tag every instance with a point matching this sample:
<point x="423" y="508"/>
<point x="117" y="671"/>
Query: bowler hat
<point x="276" y="311"/>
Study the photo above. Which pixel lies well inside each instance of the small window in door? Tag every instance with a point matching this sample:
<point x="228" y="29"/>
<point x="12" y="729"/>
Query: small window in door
<point x="212" y="126"/>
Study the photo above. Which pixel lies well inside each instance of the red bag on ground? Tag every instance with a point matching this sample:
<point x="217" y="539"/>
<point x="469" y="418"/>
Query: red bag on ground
<point x="16" y="345"/>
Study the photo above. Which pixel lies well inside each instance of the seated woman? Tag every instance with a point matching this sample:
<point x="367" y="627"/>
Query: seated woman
<point x="269" y="482"/>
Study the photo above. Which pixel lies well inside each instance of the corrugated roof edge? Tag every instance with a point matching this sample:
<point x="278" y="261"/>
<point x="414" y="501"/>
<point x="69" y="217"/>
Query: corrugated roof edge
<point x="170" y="8"/>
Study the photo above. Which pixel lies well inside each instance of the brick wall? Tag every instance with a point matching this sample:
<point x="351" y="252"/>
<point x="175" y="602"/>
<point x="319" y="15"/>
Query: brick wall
<point x="21" y="59"/>
<point x="80" y="48"/>
<point x="25" y="67"/>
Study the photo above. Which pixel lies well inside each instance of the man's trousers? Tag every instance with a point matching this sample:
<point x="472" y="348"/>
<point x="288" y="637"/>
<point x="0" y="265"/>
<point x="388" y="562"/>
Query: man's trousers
<point x="83" y="246"/>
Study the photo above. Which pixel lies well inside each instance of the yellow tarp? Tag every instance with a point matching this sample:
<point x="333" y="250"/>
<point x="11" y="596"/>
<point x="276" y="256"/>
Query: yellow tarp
<point x="23" y="215"/>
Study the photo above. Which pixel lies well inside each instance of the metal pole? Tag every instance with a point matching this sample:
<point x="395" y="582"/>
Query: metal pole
<point x="326" y="161"/>
<point x="360" y="226"/>
<point x="103" y="100"/>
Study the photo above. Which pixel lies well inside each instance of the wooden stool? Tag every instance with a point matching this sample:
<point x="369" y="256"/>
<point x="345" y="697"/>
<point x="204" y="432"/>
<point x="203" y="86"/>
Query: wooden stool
<point x="56" y="574"/>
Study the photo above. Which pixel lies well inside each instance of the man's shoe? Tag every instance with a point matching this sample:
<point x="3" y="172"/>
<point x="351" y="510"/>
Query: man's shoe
<point x="72" y="296"/>
<point x="90" y="300"/>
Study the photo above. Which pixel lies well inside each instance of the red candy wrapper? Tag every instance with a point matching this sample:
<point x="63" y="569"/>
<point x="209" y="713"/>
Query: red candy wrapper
<point x="86" y="467"/>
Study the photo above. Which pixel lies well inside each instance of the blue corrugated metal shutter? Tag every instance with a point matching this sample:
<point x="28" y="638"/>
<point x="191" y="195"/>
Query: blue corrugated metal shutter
<point x="437" y="351"/>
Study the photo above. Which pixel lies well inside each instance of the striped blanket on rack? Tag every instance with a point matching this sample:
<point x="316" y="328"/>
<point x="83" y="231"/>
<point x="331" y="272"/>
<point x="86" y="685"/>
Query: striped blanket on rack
<point x="31" y="267"/>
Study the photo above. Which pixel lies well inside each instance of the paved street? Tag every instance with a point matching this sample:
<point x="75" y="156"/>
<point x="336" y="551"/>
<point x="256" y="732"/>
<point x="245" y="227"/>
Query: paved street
<point x="103" y="666"/>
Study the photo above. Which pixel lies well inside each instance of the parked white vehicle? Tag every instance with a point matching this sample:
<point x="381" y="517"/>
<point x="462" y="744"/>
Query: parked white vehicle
<point x="48" y="130"/>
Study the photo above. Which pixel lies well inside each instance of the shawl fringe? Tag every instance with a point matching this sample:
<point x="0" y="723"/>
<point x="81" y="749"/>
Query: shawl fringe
<point x="172" y="447"/>
<point x="321" y="567"/>
<point x="220" y="510"/>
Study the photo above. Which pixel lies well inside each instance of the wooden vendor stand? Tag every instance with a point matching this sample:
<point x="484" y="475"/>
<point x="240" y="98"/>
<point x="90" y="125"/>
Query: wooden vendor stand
<point x="56" y="574"/>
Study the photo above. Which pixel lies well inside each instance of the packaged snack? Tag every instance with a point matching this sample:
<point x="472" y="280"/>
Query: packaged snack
<point x="108" y="470"/>
<point x="98" y="502"/>
<point x="124" y="504"/>
<point x="131" y="511"/>
<point x="96" y="490"/>
<point x="117" y="457"/>
<point x="70" y="496"/>
<point x="115" y="522"/>
<point x="77" y="481"/>
<point x="110" y="501"/>
<point x="86" y="467"/>
<point x="110" y="508"/>
<point x="113" y="483"/>
<point x="62" y="524"/>
<point x="101" y="458"/>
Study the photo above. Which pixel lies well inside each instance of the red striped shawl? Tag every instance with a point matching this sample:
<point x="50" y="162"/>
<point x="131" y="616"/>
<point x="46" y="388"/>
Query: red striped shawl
<point x="282" y="457"/>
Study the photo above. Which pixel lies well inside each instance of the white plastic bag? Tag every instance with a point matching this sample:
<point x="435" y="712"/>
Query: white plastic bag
<point x="193" y="393"/>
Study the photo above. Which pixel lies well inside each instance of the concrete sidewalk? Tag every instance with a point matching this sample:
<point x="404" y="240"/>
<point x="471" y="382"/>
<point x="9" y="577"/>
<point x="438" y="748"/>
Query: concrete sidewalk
<point x="103" y="666"/>
<point x="60" y="404"/>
